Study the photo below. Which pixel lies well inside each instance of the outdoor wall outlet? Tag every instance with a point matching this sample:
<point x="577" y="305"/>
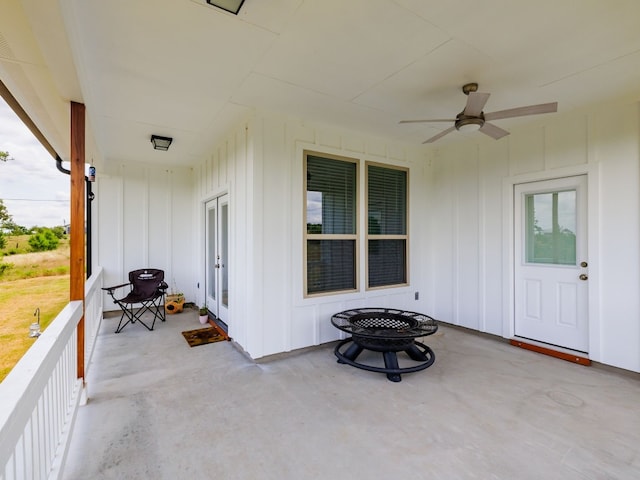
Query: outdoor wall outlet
<point x="417" y="295"/>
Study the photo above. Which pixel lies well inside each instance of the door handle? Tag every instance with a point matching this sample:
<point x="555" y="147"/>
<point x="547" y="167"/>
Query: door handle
<point x="583" y="276"/>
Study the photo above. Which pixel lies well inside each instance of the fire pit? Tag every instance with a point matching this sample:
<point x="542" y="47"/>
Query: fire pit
<point x="388" y="331"/>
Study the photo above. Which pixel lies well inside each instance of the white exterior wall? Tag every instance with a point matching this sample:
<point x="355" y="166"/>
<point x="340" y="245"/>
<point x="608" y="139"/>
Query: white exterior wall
<point x="261" y="166"/>
<point x="143" y="218"/>
<point x="472" y="223"/>
<point x="461" y="221"/>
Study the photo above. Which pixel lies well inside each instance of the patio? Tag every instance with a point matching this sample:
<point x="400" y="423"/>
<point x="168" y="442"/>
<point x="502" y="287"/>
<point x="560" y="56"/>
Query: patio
<point x="485" y="409"/>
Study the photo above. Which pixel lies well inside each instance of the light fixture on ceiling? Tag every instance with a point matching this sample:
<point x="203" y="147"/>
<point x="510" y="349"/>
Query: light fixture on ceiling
<point x="232" y="6"/>
<point x="161" y="143"/>
<point x="467" y="123"/>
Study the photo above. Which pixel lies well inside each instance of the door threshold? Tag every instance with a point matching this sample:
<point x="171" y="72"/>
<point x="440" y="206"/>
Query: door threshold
<point x="561" y="353"/>
<point x="219" y="324"/>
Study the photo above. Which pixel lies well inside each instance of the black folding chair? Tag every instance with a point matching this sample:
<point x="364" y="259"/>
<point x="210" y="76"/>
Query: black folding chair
<point x="147" y="290"/>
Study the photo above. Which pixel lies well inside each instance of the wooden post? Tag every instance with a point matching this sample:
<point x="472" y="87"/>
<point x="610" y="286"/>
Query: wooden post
<point x="77" y="264"/>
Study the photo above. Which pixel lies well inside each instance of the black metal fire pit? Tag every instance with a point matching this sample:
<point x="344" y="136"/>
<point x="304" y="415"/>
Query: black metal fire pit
<point x="388" y="331"/>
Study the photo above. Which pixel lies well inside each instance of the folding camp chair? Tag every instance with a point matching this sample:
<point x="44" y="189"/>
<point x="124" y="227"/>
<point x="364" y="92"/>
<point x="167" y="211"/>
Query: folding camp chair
<point x="147" y="290"/>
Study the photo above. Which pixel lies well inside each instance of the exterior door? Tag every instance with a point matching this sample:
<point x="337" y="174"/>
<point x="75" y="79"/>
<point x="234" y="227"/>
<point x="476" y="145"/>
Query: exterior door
<point x="217" y="257"/>
<point x="551" y="288"/>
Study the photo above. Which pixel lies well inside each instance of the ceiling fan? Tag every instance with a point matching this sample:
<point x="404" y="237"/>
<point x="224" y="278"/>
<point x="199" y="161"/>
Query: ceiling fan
<point x="473" y="118"/>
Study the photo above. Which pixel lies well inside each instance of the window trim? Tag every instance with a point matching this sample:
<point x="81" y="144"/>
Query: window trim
<point x="368" y="237"/>
<point x="319" y="236"/>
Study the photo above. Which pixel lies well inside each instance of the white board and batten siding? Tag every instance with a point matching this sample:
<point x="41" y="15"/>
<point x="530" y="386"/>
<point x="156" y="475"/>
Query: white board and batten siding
<point x="472" y="188"/>
<point x="461" y="225"/>
<point x="145" y="219"/>
<point x="263" y="174"/>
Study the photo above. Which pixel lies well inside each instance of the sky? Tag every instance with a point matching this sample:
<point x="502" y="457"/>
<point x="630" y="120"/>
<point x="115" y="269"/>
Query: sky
<point x="34" y="191"/>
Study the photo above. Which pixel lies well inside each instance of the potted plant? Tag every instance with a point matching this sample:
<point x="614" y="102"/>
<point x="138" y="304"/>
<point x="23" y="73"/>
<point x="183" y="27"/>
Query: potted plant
<point x="203" y="314"/>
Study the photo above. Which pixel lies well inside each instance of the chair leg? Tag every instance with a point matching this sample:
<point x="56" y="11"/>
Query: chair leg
<point x="157" y="304"/>
<point x="143" y="309"/>
<point x="129" y="314"/>
<point x="163" y="313"/>
<point x="154" y="306"/>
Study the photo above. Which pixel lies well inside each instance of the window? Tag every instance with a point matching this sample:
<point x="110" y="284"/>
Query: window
<point x="387" y="226"/>
<point x="550" y="227"/>
<point x="331" y="218"/>
<point x="331" y="224"/>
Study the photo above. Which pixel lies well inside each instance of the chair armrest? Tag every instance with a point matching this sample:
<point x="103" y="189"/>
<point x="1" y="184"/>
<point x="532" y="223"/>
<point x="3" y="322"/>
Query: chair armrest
<point x="162" y="288"/>
<point x="111" y="289"/>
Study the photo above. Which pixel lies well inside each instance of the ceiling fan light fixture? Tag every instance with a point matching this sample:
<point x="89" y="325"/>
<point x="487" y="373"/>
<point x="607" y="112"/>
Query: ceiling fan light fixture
<point x="473" y="118"/>
<point x="469" y="124"/>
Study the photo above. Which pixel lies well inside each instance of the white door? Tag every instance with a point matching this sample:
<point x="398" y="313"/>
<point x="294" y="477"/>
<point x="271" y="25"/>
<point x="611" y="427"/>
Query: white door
<point x="551" y="288"/>
<point x="217" y="257"/>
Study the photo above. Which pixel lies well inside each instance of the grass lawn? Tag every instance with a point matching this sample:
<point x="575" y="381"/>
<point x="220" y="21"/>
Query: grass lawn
<point x="32" y="280"/>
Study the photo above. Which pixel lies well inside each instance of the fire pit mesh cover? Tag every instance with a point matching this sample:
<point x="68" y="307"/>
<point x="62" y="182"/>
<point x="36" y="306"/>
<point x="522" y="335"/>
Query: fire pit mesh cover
<point x="384" y="323"/>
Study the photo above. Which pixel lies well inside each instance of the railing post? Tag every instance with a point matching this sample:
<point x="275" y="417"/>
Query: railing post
<point x="77" y="264"/>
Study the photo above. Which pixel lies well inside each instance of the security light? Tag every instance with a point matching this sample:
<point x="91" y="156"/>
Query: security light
<point x="161" y="143"/>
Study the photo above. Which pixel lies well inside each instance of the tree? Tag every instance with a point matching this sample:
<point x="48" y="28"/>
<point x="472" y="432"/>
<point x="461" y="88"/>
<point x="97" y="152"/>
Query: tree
<point x="6" y="221"/>
<point x="4" y="214"/>
<point x="7" y="225"/>
<point x="4" y="218"/>
<point x="44" y="239"/>
<point x="14" y="229"/>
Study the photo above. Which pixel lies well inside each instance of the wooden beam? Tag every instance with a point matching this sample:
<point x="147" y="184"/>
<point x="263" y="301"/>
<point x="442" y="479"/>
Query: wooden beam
<point x="77" y="242"/>
<point x="552" y="353"/>
<point x="22" y="115"/>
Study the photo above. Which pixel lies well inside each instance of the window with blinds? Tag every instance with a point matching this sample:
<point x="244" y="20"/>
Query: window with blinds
<point x="387" y="226"/>
<point x="331" y="224"/>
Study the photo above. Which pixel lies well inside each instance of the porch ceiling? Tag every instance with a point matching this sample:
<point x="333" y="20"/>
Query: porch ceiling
<point x="183" y="69"/>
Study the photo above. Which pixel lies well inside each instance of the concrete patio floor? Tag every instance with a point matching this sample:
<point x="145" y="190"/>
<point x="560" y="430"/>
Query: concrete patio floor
<point x="485" y="410"/>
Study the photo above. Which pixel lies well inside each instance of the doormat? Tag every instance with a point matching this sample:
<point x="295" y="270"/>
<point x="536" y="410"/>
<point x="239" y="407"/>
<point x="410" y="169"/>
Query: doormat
<point x="202" y="336"/>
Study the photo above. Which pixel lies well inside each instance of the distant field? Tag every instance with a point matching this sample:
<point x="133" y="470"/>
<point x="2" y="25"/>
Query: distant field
<point x="29" y="281"/>
<point x="30" y="265"/>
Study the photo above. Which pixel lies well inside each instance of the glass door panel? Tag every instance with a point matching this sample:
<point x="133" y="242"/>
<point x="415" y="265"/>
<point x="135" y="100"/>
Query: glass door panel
<point x="551" y="228"/>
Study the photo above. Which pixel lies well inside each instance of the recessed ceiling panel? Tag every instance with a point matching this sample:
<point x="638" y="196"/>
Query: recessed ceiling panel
<point x="343" y="48"/>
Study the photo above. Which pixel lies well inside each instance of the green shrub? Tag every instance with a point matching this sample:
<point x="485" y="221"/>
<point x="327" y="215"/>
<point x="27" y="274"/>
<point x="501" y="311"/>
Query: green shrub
<point x="58" y="232"/>
<point x="4" y="267"/>
<point x="3" y="240"/>
<point x="44" y="239"/>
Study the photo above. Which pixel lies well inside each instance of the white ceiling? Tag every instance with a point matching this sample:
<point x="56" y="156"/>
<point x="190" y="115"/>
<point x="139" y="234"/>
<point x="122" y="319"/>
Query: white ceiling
<point x="183" y="69"/>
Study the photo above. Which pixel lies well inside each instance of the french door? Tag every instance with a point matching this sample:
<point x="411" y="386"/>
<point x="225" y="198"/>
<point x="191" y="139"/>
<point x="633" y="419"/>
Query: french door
<point x="551" y="288"/>
<point x="217" y="257"/>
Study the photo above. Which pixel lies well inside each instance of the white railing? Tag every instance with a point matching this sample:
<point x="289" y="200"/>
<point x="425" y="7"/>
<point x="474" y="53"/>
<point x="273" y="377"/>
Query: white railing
<point x="39" y="398"/>
<point x="93" y="311"/>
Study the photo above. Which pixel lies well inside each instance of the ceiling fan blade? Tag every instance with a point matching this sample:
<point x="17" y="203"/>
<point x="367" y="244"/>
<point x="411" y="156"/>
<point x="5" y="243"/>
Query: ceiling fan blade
<point x="522" y="111"/>
<point x="427" y="121"/>
<point x="493" y="131"/>
<point x="475" y="103"/>
<point x="440" y="135"/>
